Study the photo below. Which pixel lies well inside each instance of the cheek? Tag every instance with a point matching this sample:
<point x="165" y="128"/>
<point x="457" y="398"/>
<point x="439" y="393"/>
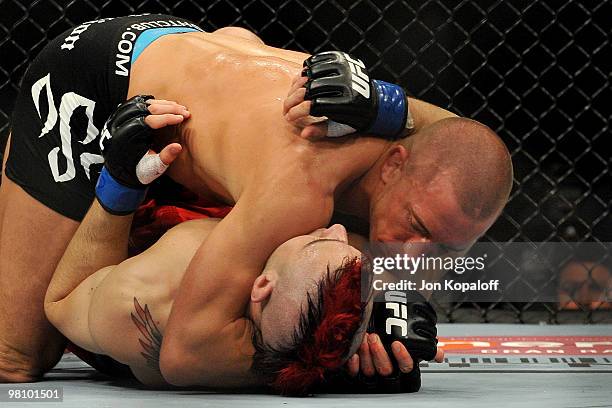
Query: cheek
<point x="396" y="216"/>
<point x="390" y="226"/>
<point x="387" y="208"/>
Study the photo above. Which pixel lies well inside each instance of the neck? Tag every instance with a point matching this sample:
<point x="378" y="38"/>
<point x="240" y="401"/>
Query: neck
<point x="353" y="168"/>
<point x="355" y="200"/>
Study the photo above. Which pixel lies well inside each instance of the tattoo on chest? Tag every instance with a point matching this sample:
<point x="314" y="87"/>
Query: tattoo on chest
<point x="151" y="338"/>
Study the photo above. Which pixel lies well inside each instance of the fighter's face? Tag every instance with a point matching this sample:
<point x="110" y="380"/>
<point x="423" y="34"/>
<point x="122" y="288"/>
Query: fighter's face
<point x="427" y="214"/>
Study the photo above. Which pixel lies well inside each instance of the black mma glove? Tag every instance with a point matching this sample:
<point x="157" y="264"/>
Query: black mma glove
<point x="403" y="316"/>
<point x="125" y="141"/>
<point x="406" y="317"/>
<point x="340" y="89"/>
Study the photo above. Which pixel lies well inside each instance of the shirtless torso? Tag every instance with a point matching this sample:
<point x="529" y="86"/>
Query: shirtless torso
<point x="237" y="137"/>
<point x="105" y="303"/>
<point x="134" y="299"/>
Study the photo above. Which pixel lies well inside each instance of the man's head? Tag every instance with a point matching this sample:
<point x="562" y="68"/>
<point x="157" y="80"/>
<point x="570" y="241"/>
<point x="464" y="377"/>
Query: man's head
<point x="585" y="285"/>
<point x="306" y="308"/>
<point x="446" y="184"/>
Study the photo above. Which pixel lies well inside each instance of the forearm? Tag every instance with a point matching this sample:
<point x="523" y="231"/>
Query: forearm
<point x="101" y="240"/>
<point x="424" y="114"/>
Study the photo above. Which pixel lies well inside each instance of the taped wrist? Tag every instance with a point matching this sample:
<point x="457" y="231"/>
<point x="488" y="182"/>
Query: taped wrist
<point x="117" y="198"/>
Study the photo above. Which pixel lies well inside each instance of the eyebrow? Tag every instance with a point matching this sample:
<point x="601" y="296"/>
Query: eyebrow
<point x="321" y="240"/>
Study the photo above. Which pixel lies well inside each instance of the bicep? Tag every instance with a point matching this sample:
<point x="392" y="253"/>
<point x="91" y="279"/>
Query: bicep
<point x="71" y="314"/>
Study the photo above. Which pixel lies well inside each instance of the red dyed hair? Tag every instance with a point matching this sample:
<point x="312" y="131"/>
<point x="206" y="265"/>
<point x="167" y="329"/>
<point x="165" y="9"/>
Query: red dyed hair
<point x="328" y="346"/>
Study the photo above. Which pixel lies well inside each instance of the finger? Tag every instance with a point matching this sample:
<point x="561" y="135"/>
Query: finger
<point x="315" y="131"/>
<point x="365" y="359"/>
<point x="162" y="102"/>
<point x="323" y="69"/>
<point x="128" y="111"/>
<point x="322" y="87"/>
<point x="381" y="359"/>
<point x="404" y="361"/>
<point x="353" y="365"/>
<point x="297" y="83"/>
<point x="439" y="356"/>
<point x="170" y="153"/>
<point x="320" y="57"/>
<point x="294" y="99"/>
<point x="160" y="121"/>
<point x="160" y="109"/>
<point x="150" y="167"/>
<point x="297" y="112"/>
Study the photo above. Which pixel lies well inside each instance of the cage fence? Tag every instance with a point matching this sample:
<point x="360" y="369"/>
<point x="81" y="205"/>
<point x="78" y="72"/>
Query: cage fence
<point x="535" y="71"/>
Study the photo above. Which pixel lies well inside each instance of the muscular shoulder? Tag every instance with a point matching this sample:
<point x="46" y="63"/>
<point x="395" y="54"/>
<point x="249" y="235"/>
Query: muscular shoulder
<point x="239" y="32"/>
<point x="193" y="231"/>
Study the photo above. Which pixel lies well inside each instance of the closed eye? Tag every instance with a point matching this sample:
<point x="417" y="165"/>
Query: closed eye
<point x="418" y="225"/>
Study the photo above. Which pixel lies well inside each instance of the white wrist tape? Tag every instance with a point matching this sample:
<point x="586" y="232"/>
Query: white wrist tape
<point x="149" y="168"/>
<point x="335" y="129"/>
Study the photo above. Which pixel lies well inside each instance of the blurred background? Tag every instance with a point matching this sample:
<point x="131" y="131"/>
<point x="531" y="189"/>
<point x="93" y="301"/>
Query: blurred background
<point x="535" y="71"/>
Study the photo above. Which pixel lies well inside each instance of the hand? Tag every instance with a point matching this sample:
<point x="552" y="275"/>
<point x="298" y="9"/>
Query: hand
<point x="130" y="164"/>
<point x="371" y="370"/>
<point x="405" y="326"/>
<point x="372" y="358"/>
<point x="127" y="135"/>
<point x="296" y="111"/>
<point x="339" y="89"/>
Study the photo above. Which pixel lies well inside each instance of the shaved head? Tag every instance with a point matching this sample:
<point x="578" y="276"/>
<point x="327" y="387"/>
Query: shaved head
<point x="470" y="156"/>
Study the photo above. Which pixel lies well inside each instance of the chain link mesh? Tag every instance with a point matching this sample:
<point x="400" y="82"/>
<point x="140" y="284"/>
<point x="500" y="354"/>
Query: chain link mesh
<point x="537" y="72"/>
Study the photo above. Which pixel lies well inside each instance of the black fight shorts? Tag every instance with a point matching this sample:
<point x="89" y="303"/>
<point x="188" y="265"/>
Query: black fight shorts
<point x="66" y="95"/>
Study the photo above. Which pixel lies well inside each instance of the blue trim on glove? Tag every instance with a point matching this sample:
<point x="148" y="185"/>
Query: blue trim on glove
<point x="116" y="198"/>
<point x="392" y="110"/>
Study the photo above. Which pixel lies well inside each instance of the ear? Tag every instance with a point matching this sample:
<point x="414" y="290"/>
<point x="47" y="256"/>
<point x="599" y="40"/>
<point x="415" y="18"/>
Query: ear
<point x="393" y="165"/>
<point x="262" y="288"/>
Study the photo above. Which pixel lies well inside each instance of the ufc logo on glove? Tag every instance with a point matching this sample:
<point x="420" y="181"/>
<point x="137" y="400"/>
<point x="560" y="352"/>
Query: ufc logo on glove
<point x="396" y="302"/>
<point x="360" y="81"/>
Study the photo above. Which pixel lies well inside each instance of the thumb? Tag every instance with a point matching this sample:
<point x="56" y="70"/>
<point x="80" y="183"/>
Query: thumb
<point x="170" y="153"/>
<point x="315" y="131"/>
<point x="152" y="165"/>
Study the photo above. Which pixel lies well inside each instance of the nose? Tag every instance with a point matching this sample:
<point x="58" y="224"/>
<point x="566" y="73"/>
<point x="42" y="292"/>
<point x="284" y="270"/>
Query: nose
<point x="336" y="231"/>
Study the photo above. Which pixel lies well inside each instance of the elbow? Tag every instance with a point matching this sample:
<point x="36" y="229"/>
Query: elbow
<point x="169" y="366"/>
<point x="173" y="363"/>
